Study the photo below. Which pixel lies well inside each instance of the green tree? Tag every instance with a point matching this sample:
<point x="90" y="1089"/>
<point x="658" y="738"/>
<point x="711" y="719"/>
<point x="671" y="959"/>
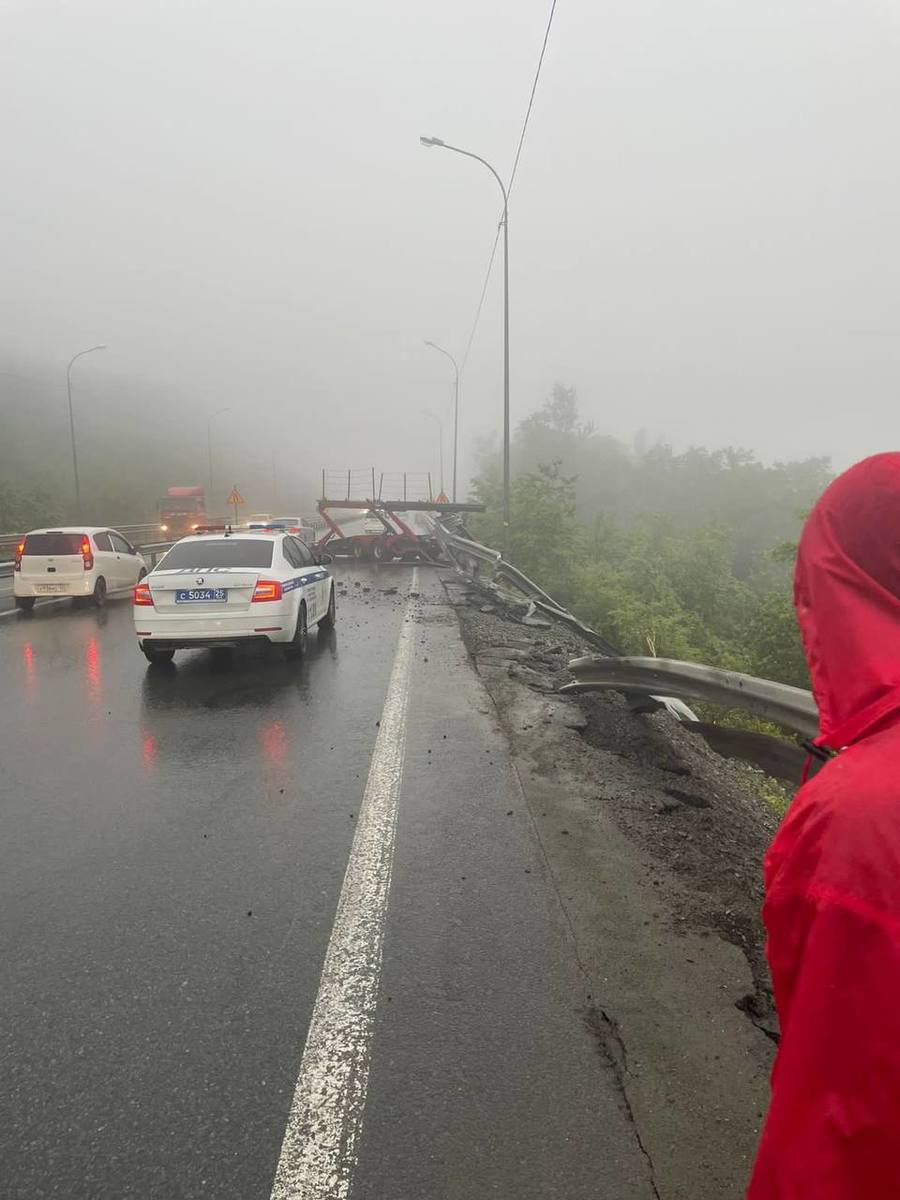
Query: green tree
<point x="542" y="518"/>
<point x="773" y="641"/>
<point x="678" y="555"/>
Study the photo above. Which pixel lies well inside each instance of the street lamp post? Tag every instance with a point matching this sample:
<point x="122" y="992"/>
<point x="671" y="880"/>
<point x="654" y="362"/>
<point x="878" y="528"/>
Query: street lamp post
<point x="440" y="425"/>
<point x="447" y="354"/>
<point x="426" y="141"/>
<point x="80" y="354"/>
<point x="209" y="421"/>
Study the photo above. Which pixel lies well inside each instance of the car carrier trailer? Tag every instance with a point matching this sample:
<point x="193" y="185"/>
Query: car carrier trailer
<point x="388" y="536"/>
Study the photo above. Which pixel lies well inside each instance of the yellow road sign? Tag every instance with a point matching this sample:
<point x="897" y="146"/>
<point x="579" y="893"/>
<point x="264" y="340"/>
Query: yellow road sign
<point x="235" y="496"/>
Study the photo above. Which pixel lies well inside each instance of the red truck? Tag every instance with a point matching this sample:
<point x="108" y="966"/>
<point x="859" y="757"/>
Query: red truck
<point x="181" y="510"/>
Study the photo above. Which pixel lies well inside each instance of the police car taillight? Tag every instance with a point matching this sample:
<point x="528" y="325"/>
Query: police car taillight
<point x="142" y="596"/>
<point x="266" y="589"/>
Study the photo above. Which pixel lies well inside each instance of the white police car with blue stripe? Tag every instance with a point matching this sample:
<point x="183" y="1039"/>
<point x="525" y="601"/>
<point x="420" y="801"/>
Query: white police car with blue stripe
<point x="225" y="589"/>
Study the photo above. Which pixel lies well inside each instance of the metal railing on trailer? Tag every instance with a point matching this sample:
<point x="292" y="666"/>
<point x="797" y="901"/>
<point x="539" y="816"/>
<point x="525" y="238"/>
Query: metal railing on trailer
<point x="387" y="535"/>
<point x="360" y="481"/>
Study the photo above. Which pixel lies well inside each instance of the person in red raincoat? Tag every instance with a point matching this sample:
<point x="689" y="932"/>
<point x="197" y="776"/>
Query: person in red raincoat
<point x="832" y="873"/>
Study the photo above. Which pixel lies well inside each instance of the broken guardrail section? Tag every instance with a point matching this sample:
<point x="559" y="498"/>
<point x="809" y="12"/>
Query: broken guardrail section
<point x="664" y="680"/>
<point x="792" y="707"/>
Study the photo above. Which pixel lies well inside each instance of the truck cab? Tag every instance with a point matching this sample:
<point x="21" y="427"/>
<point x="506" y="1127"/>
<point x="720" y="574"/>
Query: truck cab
<point x="181" y="511"/>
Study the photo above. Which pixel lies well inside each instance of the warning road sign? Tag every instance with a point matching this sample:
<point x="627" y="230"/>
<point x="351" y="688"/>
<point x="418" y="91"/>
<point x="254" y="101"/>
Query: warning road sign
<point x="235" y="498"/>
<point x="442" y="499"/>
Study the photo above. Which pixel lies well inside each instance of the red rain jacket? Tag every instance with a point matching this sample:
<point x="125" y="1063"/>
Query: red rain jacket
<point x="832" y="873"/>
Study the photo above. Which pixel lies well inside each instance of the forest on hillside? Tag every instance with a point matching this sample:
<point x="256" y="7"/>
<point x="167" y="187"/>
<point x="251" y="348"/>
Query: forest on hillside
<point x="680" y="555"/>
<point x="134" y="441"/>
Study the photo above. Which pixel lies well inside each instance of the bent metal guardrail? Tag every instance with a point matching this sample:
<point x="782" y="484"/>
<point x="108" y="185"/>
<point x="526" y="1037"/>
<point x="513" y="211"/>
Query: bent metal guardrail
<point x="486" y="569"/>
<point x="792" y="707"/>
<point x="666" y="680"/>
<point x="471" y="558"/>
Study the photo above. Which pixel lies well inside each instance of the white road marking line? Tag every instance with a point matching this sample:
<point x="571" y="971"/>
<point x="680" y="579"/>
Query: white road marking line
<point x="47" y="601"/>
<point x="40" y="604"/>
<point x="318" y="1154"/>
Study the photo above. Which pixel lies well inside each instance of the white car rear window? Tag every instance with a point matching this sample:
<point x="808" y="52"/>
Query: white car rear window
<point x="53" y="543"/>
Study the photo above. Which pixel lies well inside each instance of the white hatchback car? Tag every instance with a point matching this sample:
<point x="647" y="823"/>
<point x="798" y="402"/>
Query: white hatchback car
<point x="79" y="561"/>
<point x="224" y="589"/>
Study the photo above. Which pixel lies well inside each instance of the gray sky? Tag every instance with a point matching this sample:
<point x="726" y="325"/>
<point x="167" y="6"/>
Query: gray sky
<point x="232" y="196"/>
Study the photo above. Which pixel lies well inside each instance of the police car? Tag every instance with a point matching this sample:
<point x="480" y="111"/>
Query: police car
<point x="225" y="588"/>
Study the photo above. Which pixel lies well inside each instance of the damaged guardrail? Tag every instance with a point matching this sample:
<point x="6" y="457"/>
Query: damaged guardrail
<point x="470" y="557"/>
<point x="667" y="681"/>
<point x="539" y="601"/>
<point x="791" y="707"/>
<point x="487" y="569"/>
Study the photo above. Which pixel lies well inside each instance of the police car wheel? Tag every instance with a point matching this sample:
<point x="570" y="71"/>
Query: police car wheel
<point x="297" y="647"/>
<point x="327" y="622"/>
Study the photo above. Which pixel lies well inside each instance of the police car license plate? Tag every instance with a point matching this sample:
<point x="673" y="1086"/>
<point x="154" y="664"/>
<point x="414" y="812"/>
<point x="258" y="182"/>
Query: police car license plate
<point x="201" y="595"/>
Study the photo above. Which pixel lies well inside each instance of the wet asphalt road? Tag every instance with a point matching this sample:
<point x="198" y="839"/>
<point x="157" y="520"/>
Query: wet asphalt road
<point x="174" y="843"/>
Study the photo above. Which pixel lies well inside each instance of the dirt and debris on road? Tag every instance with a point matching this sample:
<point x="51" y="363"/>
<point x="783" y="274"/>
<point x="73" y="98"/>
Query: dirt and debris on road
<point x="654" y="845"/>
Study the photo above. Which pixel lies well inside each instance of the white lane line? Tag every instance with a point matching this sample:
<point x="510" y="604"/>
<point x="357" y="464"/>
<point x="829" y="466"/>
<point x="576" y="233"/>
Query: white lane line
<point x="318" y="1155"/>
<point x="113" y="594"/>
<point x="40" y="604"/>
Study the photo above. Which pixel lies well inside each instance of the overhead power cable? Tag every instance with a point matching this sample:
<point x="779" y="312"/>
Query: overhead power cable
<point x="484" y="288"/>
<point x="512" y="180"/>
<point x="537" y="75"/>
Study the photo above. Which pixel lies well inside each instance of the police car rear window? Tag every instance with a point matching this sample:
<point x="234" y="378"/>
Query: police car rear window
<point x="223" y="552"/>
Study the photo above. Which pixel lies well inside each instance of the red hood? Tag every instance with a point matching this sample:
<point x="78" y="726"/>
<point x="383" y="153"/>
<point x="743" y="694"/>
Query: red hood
<point x="847" y="596"/>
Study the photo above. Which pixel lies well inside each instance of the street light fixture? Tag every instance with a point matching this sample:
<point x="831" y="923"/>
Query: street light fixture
<point x="209" y="421"/>
<point x="433" y="141"/>
<point x="74" y="357"/>
<point x="447" y="354"/>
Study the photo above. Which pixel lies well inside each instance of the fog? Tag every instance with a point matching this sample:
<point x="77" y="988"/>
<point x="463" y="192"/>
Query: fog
<point x="233" y="198"/>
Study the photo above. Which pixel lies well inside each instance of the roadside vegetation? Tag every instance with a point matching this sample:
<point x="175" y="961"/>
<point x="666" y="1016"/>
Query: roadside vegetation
<point x="677" y="555"/>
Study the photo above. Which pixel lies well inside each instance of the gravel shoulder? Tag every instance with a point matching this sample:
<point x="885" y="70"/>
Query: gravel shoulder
<point x="653" y="845"/>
